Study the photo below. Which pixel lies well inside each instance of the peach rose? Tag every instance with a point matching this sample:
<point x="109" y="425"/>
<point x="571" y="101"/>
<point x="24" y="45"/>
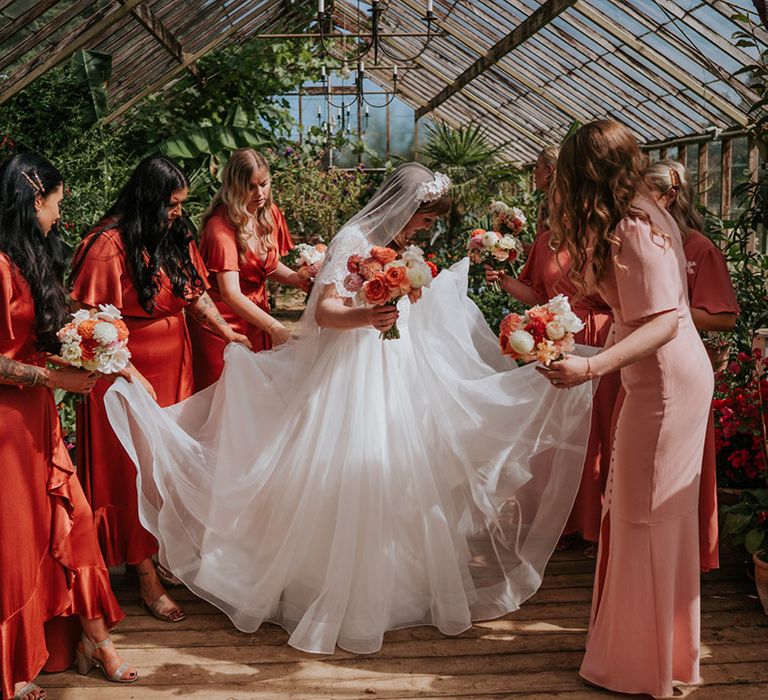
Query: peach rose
<point x="383" y="255"/>
<point x="377" y="290"/>
<point x="540" y="313"/>
<point x="353" y="263"/>
<point x="395" y="276"/>
<point x="369" y="268"/>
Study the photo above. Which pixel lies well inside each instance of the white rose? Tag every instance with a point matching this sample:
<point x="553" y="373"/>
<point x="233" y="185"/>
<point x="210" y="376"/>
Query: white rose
<point x="104" y="333"/>
<point x="71" y="353"/>
<point x="108" y="311"/>
<point x="419" y="276"/>
<point x="508" y="242"/>
<point x="555" y="330"/>
<point x="112" y="361"/>
<point x="498" y="207"/>
<point x="490" y="239"/>
<point x="571" y="322"/>
<point x="81" y="315"/>
<point x="521" y="342"/>
<point x="559" y="305"/>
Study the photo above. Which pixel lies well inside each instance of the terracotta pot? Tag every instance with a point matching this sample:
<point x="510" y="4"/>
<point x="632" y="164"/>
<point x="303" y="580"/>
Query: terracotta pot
<point x="761" y="579"/>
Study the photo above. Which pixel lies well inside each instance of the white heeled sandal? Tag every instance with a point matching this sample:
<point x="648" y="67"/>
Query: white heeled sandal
<point x="86" y="662"/>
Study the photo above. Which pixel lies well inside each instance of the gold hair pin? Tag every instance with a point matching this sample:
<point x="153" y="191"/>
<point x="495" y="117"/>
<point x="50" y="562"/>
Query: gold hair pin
<point x="36" y="184"/>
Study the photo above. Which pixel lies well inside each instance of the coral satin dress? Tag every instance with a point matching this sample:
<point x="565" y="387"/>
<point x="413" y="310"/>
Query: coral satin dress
<point x="161" y="351"/>
<point x="645" y="623"/>
<point x="52" y="570"/>
<point x="547" y="277"/>
<point x="709" y="288"/>
<point x="218" y="247"/>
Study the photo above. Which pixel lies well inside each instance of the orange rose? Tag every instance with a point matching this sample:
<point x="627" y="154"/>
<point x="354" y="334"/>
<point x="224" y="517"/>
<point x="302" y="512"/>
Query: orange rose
<point x="383" y="255"/>
<point x="377" y="290"/>
<point x="395" y="276"/>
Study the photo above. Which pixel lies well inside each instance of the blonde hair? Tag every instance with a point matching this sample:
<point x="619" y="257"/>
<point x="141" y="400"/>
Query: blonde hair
<point x="234" y="194"/>
<point x="548" y="156"/>
<point x="664" y="175"/>
<point x="599" y="172"/>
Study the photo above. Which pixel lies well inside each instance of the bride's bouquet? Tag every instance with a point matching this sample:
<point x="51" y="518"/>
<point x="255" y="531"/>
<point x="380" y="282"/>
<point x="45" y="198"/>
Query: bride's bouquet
<point x="384" y="276"/>
<point x="310" y="258"/>
<point x="543" y="332"/>
<point x="96" y="340"/>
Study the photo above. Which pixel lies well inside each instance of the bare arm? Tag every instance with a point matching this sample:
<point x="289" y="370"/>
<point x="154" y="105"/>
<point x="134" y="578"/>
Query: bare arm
<point x="705" y="321"/>
<point x="514" y="287"/>
<point x="229" y="284"/>
<point x="205" y="312"/>
<point x="16" y="373"/>
<point x="332" y="312"/>
<point x="284" y="275"/>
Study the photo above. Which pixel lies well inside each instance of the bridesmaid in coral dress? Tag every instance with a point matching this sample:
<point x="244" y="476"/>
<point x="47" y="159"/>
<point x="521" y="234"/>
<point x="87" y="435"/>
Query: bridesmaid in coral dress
<point x="544" y="276"/>
<point x="54" y="583"/>
<point x="244" y="235"/>
<point x="645" y="623"/>
<point x="714" y="309"/>
<point x="143" y="260"/>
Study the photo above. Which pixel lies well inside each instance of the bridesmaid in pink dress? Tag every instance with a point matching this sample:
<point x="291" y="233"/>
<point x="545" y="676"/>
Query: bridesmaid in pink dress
<point x="714" y="309"/>
<point x="645" y="623"/>
<point x="544" y="276"/>
<point x="244" y="234"/>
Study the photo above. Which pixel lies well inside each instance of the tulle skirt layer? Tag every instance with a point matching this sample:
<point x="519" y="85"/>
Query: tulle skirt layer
<point x="344" y="486"/>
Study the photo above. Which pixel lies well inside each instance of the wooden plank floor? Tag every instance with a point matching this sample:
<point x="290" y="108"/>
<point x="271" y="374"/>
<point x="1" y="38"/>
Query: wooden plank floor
<point x="532" y="654"/>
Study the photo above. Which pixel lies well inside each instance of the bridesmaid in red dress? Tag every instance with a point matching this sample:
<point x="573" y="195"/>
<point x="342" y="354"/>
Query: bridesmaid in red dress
<point x="244" y="235"/>
<point x="645" y="624"/>
<point x="54" y="583"/>
<point x="544" y="276"/>
<point x="714" y="309"/>
<point x="143" y="260"/>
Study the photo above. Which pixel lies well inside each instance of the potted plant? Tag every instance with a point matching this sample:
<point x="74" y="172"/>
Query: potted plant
<point x="745" y="524"/>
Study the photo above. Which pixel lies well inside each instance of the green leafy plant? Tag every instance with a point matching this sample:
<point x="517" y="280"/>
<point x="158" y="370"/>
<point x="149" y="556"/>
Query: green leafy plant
<point x="745" y="524"/>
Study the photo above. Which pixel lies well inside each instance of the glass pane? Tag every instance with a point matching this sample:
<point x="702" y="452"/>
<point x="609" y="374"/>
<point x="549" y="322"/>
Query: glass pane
<point x="714" y="176"/>
<point x="739" y="168"/>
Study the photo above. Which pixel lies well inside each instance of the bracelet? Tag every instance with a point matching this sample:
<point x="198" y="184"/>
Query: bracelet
<point x="589" y="371"/>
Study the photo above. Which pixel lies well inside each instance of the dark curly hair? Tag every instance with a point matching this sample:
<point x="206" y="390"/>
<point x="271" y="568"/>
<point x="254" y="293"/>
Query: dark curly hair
<point x="141" y="215"/>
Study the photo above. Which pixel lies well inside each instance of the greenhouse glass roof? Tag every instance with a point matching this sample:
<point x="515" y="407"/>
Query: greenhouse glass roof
<point x="524" y="69"/>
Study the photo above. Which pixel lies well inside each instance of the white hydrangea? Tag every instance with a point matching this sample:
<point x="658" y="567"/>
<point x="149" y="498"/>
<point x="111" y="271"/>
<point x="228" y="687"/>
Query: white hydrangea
<point x="69" y="335"/>
<point x="72" y="354"/>
<point x="104" y="333"/>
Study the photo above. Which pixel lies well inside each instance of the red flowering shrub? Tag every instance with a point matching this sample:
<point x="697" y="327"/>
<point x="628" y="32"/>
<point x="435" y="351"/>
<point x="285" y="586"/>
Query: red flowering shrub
<point x="741" y="410"/>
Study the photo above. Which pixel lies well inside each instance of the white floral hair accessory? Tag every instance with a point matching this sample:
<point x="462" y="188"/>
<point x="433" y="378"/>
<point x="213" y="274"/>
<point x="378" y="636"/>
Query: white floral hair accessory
<point x="433" y="189"/>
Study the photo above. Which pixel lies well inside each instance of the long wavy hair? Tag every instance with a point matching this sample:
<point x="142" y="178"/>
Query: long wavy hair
<point x="548" y="156"/>
<point x="41" y="259"/>
<point x="665" y="175"/>
<point x="151" y="244"/>
<point x="235" y="194"/>
<point x="599" y="171"/>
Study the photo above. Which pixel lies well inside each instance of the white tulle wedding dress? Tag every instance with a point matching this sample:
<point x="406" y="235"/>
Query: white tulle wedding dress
<point x="343" y="486"/>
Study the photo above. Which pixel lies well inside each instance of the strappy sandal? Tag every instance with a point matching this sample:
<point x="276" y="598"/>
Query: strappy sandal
<point x="167" y="578"/>
<point x="25" y="692"/>
<point x="86" y="662"/>
<point x="590" y="551"/>
<point x="175" y="614"/>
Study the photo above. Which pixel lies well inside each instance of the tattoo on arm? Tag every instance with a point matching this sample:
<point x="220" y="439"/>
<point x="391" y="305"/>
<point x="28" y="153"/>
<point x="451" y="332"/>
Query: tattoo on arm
<point x="205" y="311"/>
<point x="21" y="374"/>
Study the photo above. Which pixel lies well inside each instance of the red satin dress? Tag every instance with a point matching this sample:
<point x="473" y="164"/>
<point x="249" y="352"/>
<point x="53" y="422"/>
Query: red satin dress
<point x="161" y="350"/>
<point x="52" y="569"/>
<point x="218" y="247"/>
<point x="709" y="288"/>
<point x="547" y="277"/>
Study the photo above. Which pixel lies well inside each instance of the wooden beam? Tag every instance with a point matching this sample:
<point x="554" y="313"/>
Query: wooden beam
<point x="25" y="18"/>
<point x="726" y="156"/>
<point x="526" y="29"/>
<point x="703" y="171"/>
<point x="154" y="25"/>
<point x="666" y="65"/>
<point x="173" y="72"/>
<point x="95" y="26"/>
<point x="43" y="33"/>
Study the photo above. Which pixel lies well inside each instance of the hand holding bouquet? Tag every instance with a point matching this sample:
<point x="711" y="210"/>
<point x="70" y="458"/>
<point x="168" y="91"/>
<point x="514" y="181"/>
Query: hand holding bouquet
<point x="96" y="340"/>
<point x="384" y="277"/>
<point x="488" y="246"/>
<point x="543" y="333"/>
<point x="310" y="259"/>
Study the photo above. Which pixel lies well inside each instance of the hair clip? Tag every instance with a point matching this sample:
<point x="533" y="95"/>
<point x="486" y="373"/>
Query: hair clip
<point x="674" y="178"/>
<point x="36" y="184"/>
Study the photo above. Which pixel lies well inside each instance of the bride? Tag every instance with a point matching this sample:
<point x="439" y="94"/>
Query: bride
<point x="343" y="486"/>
